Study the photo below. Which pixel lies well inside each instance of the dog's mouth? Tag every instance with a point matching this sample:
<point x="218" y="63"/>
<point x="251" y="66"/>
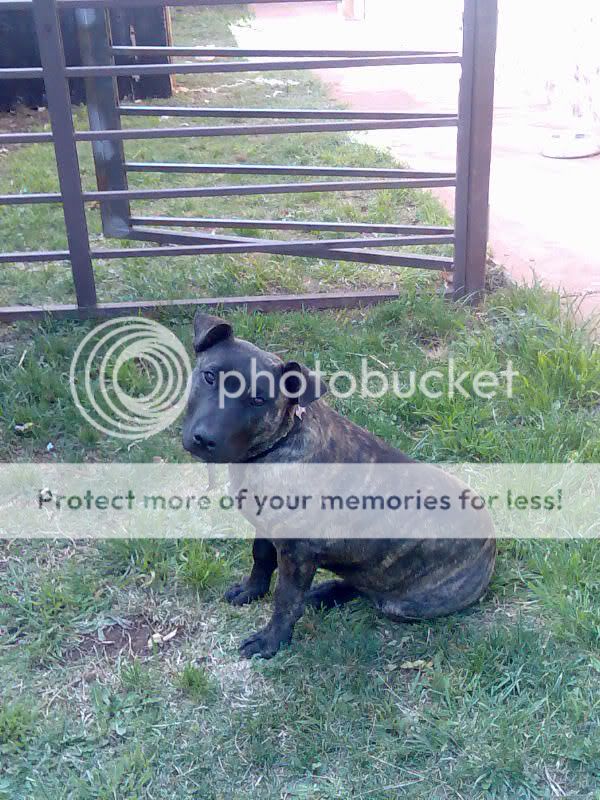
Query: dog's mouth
<point x="216" y="456"/>
<point x="229" y="450"/>
<point x="200" y="453"/>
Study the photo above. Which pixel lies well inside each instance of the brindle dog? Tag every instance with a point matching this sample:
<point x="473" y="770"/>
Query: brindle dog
<point x="407" y="579"/>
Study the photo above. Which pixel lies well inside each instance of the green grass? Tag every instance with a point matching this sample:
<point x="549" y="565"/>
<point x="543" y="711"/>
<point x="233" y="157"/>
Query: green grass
<point x="196" y="682"/>
<point x="502" y="701"/>
<point x="16" y="723"/>
<point x="553" y="415"/>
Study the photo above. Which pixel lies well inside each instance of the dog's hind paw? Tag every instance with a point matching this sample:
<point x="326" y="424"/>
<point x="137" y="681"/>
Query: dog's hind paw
<point x="262" y="643"/>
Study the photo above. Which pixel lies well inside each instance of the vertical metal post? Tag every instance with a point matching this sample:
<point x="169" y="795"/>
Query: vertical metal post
<point x="93" y="31"/>
<point x="474" y="146"/>
<point x="52" y="55"/>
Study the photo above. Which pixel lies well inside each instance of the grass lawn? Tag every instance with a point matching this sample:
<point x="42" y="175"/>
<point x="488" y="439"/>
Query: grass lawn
<point x="500" y="702"/>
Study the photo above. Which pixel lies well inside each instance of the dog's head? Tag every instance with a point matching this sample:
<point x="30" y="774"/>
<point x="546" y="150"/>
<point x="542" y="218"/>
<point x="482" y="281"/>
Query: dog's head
<point x="241" y="397"/>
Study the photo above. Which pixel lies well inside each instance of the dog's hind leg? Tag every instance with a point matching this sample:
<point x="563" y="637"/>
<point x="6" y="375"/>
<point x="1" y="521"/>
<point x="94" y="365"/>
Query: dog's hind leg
<point x="424" y="605"/>
<point x="331" y="594"/>
<point x="457" y="591"/>
<point x="258" y="583"/>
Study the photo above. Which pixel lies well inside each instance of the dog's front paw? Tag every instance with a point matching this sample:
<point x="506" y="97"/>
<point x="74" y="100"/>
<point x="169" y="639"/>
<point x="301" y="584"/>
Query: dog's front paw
<point x="240" y="594"/>
<point x="263" y="643"/>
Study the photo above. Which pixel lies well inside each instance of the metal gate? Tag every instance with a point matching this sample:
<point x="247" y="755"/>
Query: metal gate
<point x="370" y="243"/>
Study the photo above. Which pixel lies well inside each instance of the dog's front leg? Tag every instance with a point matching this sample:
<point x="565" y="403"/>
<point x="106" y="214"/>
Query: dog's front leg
<point x="257" y="584"/>
<point x="296" y="572"/>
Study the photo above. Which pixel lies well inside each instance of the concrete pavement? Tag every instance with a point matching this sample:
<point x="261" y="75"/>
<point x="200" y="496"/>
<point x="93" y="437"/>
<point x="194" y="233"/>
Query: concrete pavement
<point x="543" y="212"/>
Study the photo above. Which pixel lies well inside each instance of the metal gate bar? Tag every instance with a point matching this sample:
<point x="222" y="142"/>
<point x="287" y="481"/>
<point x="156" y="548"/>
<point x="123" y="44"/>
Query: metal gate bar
<point x="245" y="53"/>
<point x="47" y="25"/>
<point x="304" y="225"/>
<point x="278" y="302"/>
<point x="225" y="191"/>
<point x="474" y="147"/>
<point x="234" y="130"/>
<point x="17" y="5"/>
<point x="107" y="137"/>
<point x="273" y="113"/>
<point x="274" y="169"/>
<point x="102" y="96"/>
<point x="348" y="254"/>
<point x="192" y="68"/>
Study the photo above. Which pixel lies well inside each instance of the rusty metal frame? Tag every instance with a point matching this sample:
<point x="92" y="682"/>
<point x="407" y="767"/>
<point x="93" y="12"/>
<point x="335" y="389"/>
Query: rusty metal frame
<point x="371" y="242"/>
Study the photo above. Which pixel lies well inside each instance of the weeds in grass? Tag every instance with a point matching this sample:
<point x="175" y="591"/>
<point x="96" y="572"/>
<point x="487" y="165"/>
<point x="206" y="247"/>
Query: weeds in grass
<point x="135" y="676"/>
<point x="201" y="567"/>
<point x="196" y="564"/>
<point x="16" y="725"/>
<point x="196" y="683"/>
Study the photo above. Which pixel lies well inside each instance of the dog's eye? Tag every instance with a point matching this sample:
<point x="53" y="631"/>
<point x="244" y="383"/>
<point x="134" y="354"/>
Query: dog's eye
<point x="209" y="377"/>
<point x="257" y="401"/>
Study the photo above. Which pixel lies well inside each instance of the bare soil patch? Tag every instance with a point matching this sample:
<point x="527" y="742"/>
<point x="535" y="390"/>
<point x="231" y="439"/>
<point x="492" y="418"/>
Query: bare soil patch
<point x="137" y="639"/>
<point x="22" y="119"/>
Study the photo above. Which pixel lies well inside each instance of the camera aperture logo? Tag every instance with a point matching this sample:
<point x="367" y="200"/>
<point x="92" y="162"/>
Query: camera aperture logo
<point x="130" y="378"/>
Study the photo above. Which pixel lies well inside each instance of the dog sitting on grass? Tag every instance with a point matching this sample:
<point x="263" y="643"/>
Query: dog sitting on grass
<point x="406" y="578"/>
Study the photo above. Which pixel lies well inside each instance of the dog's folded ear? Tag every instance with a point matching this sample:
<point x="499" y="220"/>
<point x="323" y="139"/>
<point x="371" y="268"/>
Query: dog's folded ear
<point x="209" y="330"/>
<point x="301" y="385"/>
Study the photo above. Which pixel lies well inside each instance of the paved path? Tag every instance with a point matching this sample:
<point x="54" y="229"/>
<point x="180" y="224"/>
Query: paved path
<point x="543" y="212"/>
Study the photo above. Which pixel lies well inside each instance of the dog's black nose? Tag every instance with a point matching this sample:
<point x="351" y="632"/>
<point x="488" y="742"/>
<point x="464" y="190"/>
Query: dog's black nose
<point x="202" y="441"/>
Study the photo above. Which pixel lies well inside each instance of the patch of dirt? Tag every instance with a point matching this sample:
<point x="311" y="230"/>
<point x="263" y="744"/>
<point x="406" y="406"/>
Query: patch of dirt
<point x="130" y="640"/>
<point x="21" y="120"/>
<point x="496" y="277"/>
<point x="7" y="333"/>
<point x="436" y="352"/>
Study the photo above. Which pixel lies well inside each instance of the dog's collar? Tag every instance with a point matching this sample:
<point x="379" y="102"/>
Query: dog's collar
<point x="296" y="420"/>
